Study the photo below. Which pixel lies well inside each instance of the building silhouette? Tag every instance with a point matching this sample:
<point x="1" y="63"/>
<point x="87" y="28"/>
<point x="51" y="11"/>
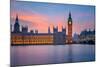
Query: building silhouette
<point x="31" y="31"/>
<point x="59" y="37"/>
<point x="16" y="25"/>
<point x="24" y="29"/>
<point x="76" y="38"/>
<point x="87" y="36"/>
<point x="49" y="30"/>
<point x="33" y="37"/>
<point x="36" y="31"/>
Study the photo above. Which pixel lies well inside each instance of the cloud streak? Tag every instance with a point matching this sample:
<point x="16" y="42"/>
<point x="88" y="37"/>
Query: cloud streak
<point x="42" y="22"/>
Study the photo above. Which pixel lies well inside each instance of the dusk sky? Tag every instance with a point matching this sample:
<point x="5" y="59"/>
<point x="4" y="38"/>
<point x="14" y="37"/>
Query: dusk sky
<point x="39" y="16"/>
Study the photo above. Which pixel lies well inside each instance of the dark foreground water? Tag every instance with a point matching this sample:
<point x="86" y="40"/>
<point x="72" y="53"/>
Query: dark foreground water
<point x="47" y="54"/>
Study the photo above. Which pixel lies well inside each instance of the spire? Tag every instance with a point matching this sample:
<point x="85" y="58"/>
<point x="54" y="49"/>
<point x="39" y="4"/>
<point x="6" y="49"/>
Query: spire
<point x="69" y="14"/>
<point x="16" y="19"/>
<point x="69" y="18"/>
<point x="16" y="25"/>
<point x="49" y="29"/>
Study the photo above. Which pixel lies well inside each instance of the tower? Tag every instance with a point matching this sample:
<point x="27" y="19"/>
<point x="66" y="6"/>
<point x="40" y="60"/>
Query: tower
<point x="64" y="35"/>
<point x="36" y="31"/>
<point x="16" y="25"/>
<point x="55" y="30"/>
<point x="31" y="31"/>
<point x="24" y="29"/>
<point x="69" y="29"/>
<point x="49" y="30"/>
<point x="55" y="35"/>
<point x="64" y="30"/>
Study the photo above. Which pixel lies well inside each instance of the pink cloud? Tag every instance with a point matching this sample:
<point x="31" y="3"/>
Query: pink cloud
<point x="38" y="21"/>
<point x="41" y="22"/>
<point x="78" y="27"/>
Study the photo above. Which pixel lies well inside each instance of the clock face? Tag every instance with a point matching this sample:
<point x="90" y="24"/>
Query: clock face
<point x="70" y="22"/>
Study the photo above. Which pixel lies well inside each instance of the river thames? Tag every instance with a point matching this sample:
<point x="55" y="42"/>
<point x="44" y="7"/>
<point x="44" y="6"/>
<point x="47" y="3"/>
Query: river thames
<point x="50" y="54"/>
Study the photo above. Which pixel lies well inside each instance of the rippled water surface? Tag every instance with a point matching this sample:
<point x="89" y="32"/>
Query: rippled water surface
<point x="47" y="54"/>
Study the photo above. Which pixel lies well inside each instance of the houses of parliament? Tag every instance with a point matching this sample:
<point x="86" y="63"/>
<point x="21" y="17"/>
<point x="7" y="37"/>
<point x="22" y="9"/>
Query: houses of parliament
<point x="23" y="37"/>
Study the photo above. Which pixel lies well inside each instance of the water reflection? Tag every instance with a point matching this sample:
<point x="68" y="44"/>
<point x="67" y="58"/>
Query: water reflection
<point x="70" y="53"/>
<point x="47" y="54"/>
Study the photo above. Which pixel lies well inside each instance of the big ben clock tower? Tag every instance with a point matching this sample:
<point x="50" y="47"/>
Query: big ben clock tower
<point x="69" y="29"/>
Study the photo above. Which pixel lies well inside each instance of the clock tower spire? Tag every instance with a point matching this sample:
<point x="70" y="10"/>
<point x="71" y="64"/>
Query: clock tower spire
<point x="69" y="28"/>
